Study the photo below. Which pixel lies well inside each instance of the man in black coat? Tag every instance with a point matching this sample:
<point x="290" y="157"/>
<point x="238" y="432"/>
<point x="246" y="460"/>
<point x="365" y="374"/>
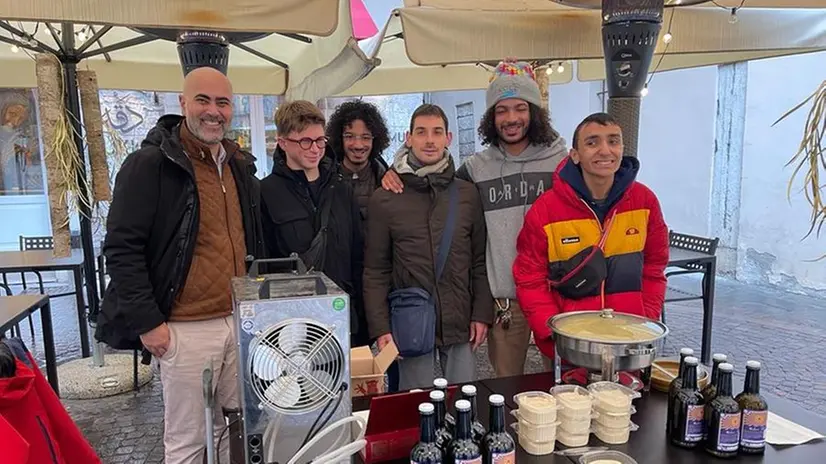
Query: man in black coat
<point x="308" y="208"/>
<point x="184" y="220"/>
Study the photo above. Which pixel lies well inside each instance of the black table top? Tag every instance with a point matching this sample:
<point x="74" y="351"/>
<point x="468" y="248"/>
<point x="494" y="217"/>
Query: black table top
<point x="681" y="257"/>
<point x="648" y="445"/>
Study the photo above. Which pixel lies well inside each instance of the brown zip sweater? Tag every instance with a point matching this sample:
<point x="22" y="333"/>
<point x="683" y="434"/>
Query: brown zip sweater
<point x="219" y="248"/>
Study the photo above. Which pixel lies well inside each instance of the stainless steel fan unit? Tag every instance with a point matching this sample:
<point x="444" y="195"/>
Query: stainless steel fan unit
<point x="296" y="366"/>
<point x="293" y="363"/>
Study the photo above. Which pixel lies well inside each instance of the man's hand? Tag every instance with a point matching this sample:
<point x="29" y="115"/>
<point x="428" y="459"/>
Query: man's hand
<point x="157" y="340"/>
<point x="384" y="340"/>
<point x="478" y="334"/>
<point x="392" y="182"/>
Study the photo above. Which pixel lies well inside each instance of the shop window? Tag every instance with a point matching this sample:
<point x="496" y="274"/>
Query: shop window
<point x="21" y="160"/>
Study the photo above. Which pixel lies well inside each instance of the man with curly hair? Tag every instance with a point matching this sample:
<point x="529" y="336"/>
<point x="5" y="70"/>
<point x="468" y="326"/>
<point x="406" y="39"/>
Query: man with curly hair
<point x="523" y="150"/>
<point x="358" y="136"/>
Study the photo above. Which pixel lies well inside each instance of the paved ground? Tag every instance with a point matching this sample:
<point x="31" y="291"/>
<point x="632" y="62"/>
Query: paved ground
<point x="785" y="332"/>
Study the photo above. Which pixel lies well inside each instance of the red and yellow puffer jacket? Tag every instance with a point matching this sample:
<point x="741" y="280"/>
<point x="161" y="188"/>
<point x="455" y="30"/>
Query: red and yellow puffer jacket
<point x="565" y="220"/>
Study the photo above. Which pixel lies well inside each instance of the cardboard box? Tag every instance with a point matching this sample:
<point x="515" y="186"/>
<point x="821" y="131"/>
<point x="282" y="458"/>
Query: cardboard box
<point x="367" y="372"/>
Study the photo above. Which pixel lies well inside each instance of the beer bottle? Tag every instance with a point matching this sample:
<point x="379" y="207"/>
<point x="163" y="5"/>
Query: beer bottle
<point x="710" y="390"/>
<point x="440" y="384"/>
<point x="476" y="427"/>
<point x="675" y="386"/>
<point x="426" y="451"/>
<point x="498" y="446"/>
<point x="723" y="417"/>
<point x="443" y="437"/>
<point x="463" y="450"/>
<point x="755" y="412"/>
<point x="687" y="412"/>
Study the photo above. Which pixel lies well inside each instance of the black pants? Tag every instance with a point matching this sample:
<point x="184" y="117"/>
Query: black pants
<point x="393" y="377"/>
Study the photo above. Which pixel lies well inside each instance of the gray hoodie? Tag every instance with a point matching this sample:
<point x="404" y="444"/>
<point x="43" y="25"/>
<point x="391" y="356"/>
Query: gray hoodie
<point x="509" y="185"/>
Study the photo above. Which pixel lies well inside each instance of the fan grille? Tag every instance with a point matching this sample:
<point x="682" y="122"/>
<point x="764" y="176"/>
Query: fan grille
<point x="295" y="366"/>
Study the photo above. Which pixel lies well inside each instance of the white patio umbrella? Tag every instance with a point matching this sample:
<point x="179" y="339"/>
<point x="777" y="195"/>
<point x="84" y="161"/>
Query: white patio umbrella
<point x="296" y="38"/>
<point x="315" y="17"/>
<point x="435" y="36"/>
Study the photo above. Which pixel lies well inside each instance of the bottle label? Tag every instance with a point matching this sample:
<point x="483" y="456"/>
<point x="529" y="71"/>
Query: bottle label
<point x="753" y="433"/>
<point x="695" y="423"/>
<point x="469" y="461"/>
<point x="504" y="458"/>
<point x="728" y="436"/>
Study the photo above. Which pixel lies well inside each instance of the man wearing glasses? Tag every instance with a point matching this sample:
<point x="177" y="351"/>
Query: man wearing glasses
<point x="309" y="209"/>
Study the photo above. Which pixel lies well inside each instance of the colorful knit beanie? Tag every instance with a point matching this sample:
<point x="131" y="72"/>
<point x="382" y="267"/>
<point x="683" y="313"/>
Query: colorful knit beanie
<point x="513" y="80"/>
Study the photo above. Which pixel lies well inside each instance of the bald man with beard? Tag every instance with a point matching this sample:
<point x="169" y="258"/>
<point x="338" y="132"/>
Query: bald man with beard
<point x="183" y="222"/>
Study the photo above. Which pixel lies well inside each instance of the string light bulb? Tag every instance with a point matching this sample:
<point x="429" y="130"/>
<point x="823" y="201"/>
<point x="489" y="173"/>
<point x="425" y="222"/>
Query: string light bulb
<point x="81" y="35"/>
<point x="733" y="18"/>
<point x="549" y="70"/>
<point x="644" y="91"/>
<point x="667" y="37"/>
<point x="15" y="49"/>
<point x="561" y="68"/>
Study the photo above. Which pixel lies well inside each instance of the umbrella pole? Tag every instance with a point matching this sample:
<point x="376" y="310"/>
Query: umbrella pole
<point x="69" y="62"/>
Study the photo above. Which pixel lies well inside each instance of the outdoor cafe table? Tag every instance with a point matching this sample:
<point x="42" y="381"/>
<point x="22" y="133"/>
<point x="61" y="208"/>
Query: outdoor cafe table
<point x="648" y="445"/>
<point x="44" y="260"/>
<point x="14" y="309"/>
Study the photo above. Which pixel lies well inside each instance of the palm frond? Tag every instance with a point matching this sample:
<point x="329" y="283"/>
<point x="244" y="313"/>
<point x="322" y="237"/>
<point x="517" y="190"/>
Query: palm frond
<point x="810" y="159"/>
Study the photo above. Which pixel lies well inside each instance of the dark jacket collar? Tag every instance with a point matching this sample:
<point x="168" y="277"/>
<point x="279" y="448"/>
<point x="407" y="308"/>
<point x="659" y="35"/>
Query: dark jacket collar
<point x="327" y="168"/>
<point x="166" y="135"/>
<point x="625" y="176"/>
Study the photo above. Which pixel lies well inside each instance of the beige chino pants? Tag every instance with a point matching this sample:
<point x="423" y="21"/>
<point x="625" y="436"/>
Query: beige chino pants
<point x="191" y="346"/>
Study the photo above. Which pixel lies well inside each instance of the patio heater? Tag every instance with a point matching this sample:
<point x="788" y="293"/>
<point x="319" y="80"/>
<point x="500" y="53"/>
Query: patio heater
<point x="630" y="29"/>
<point x="201" y="48"/>
<point x="211" y="48"/>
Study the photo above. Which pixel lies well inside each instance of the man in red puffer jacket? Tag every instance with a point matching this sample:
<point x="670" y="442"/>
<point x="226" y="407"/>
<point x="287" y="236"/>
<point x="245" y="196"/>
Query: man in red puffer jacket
<point x="594" y="200"/>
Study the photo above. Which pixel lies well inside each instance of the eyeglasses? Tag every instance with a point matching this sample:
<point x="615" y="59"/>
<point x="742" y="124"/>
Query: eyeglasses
<point x="306" y="143"/>
<point x="366" y="138"/>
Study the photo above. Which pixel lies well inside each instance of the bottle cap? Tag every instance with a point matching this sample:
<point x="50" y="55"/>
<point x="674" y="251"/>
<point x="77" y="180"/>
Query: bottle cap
<point x="753" y="365"/>
<point x="437" y="395"/>
<point x="496" y="400"/>
<point x="440" y="383"/>
<point x="720" y="357"/>
<point x="691" y="361"/>
<point x="469" y="390"/>
<point x="686" y="352"/>
<point x="463" y="405"/>
<point x="726" y="367"/>
<point x="426" y="408"/>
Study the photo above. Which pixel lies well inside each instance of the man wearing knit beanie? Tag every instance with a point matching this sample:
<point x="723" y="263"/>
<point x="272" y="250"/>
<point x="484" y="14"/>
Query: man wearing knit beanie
<point x="523" y="150"/>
